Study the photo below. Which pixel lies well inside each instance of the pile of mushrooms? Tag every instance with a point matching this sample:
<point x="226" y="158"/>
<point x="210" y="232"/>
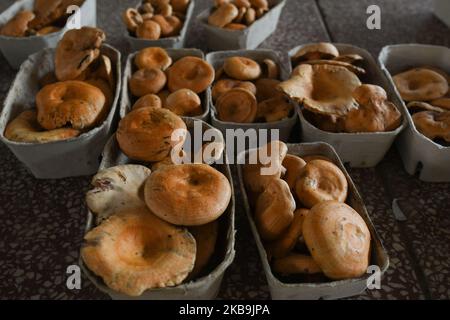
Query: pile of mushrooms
<point x="155" y="19"/>
<point x="426" y="94"/>
<point x="327" y="86"/>
<point x="245" y="91"/>
<point x="48" y="16"/>
<point x="237" y="14"/>
<point x="74" y="98"/>
<point x="162" y="83"/>
<point x="155" y="227"/>
<point x="302" y="218"/>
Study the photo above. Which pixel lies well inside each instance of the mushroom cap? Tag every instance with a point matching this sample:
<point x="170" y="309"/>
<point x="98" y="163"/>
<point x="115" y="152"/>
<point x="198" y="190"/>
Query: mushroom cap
<point x="237" y="105"/>
<point x="77" y="49"/>
<point x="420" y="84"/>
<point x="191" y="73"/>
<point x="417" y="106"/>
<point x="184" y="102"/>
<point x="117" y="189"/>
<point x="321" y="50"/>
<point x="149" y="29"/>
<point x="18" y="25"/>
<point x="147" y="81"/>
<point x="153" y="57"/>
<point x="374" y="114"/>
<point x="338" y="239"/>
<point x="146" y="134"/>
<point x="443" y="103"/>
<point x="25" y="128"/>
<point x="75" y="102"/>
<point x="296" y="263"/>
<point x="134" y="251"/>
<point x="274" y="109"/>
<point x="293" y="166"/>
<point x="170" y="25"/>
<point x="224" y="85"/>
<point x="260" y="4"/>
<point x="432" y="124"/>
<point x="180" y="5"/>
<point x="356" y="70"/>
<point x="132" y="19"/>
<point x="322" y="89"/>
<point x="286" y="242"/>
<point x="274" y="209"/>
<point x="271" y="69"/>
<point x="242" y="68"/>
<point x="206" y="239"/>
<point x="188" y="194"/>
<point x="269" y="155"/>
<point x="223" y="15"/>
<point x="319" y="181"/>
<point x="149" y="100"/>
<point x="351" y="58"/>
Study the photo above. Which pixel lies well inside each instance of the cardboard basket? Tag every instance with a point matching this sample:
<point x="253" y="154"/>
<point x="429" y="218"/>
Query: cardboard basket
<point x="419" y="154"/>
<point x="328" y="290"/>
<point x="357" y="149"/>
<point x="203" y="288"/>
<point x="77" y="156"/>
<point x="249" y="38"/>
<point x="16" y="50"/>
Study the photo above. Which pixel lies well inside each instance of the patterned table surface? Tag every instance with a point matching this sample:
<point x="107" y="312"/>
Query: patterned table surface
<point x="42" y="222"/>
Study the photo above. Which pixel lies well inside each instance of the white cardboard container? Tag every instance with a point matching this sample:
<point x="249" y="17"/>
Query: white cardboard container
<point x="284" y="126"/>
<point x="442" y="10"/>
<point x="249" y="38"/>
<point x="59" y="159"/>
<point x="328" y="290"/>
<point x="16" y="50"/>
<point x="419" y="154"/>
<point x="357" y="149"/>
<point x="176" y="42"/>
<point x="204" y="288"/>
<point x="175" y="54"/>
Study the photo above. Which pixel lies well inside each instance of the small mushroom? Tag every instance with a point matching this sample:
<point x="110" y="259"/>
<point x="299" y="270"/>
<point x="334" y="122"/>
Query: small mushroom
<point x="116" y="189"/>
<point x="316" y="51"/>
<point x="180" y="5"/>
<point x="374" y="113"/>
<point x="420" y="85"/>
<point x="153" y="57"/>
<point x="184" y="102"/>
<point x="267" y="88"/>
<point x="274" y="109"/>
<point x="146" y="81"/>
<point x="148" y="101"/>
<point x="260" y="4"/>
<point x="146" y="8"/>
<point x="25" y="128"/>
<point x="322" y="89"/>
<point x="242" y="3"/>
<point x="293" y="166"/>
<point x="223" y="15"/>
<point x="191" y="73"/>
<point x="237" y="105"/>
<point x="76" y="51"/>
<point x="132" y="19"/>
<point x="271" y="69"/>
<point x="274" y="210"/>
<point x="18" y="25"/>
<point x="240" y="18"/>
<point x="224" y="85"/>
<point x="242" y="68"/>
<point x="433" y="125"/>
<point x="149" y="29"/>
<point x="170" y="25"/>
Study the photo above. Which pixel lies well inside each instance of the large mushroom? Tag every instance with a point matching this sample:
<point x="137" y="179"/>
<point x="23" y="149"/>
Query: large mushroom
<point x="323" y="89"/>
<point x="116" y="189"/>
<point x="134" y="251"/>
<point x="76" y="51"/>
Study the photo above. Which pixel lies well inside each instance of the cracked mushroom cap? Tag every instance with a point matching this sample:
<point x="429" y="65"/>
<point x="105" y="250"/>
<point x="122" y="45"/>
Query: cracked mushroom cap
<point x="374" y="113"/>
<point x="188" y="194"/>
<point x="18" y="25"/>
<point x="134" y="251"/>
<point x="433" y="125"/>
<point x="420" y="84"/>
<point x="316" y="51"/>
<point x="116" y="189"/>
<point x="322" y="89"/>
<point x="338" y="240"/>
<point x="76" y="51"/>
